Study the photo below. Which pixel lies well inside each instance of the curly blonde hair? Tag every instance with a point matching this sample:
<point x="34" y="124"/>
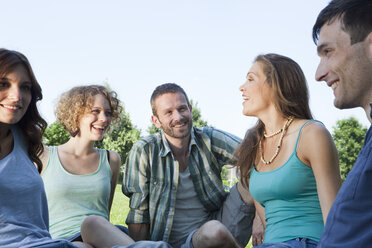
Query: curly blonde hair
<point x="77" y="101"/>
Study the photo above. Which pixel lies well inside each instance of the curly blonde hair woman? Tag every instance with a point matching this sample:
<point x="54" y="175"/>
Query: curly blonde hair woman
<point x="80" y="179"/>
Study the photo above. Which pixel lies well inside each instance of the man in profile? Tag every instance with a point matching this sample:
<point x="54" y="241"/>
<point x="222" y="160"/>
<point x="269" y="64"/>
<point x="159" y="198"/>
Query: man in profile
<point x="343" y="34"/>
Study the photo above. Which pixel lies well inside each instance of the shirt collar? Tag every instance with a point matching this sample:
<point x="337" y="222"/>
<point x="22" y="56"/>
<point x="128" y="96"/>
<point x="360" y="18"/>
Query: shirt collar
<point x="165" y="148"/>
<point x="371" y="110"/>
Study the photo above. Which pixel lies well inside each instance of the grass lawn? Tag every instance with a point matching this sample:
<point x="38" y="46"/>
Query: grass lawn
<point x="120" y="209"/>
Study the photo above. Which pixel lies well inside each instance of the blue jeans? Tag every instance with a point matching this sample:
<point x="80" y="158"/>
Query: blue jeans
<point x="293" y="243"/>
<point x="188" y="242"/>
<point x="57" y="244"/>
<point x="146" y="244"/>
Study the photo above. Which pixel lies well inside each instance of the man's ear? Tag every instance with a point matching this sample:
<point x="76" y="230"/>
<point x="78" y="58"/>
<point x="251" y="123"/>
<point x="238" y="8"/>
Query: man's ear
<point x="156" y="121"/>
<point x="190" y="107"/>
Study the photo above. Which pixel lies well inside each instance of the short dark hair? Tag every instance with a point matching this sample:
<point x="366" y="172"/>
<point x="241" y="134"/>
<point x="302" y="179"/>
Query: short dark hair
<point x="163" y="89"/>
<point x="355" y="17"/>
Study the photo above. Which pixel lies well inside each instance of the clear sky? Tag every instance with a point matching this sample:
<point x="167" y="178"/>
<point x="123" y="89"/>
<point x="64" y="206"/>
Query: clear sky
<point x="206" y="46"/>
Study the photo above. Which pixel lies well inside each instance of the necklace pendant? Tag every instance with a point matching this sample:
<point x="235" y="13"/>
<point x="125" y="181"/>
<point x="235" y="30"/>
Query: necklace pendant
<point x="282" y="131"/>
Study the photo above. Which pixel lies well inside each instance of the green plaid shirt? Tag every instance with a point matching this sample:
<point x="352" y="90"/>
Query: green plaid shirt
<point x="151" y="176"/>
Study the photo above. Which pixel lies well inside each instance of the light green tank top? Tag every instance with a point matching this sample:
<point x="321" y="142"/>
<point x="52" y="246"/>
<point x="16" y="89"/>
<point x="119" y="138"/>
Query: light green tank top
<point x="290" y="197"/>
<point x="71" y="198"/>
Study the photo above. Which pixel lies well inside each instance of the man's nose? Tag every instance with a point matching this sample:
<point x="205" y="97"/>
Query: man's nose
<point x="321" y="72"/>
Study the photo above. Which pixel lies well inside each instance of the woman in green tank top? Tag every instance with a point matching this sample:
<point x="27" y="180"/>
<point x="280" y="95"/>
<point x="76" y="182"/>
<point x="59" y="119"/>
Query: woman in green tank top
<point x="80" y="179"/>
<point x="288" y="161"/>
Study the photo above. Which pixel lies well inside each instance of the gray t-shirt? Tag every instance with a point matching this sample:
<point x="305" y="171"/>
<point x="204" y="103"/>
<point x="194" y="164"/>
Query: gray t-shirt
<point x="190" y="213"/>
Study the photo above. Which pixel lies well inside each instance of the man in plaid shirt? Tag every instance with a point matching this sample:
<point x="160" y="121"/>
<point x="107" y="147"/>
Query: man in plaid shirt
<point x="173" y="179"/>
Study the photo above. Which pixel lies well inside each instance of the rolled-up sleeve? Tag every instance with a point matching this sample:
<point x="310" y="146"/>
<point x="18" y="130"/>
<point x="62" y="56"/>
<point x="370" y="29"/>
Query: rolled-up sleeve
<point x="223" y="145"/>
<point x="136" y="184"/>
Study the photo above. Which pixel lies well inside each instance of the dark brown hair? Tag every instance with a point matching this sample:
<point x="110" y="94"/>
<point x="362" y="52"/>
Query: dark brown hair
<point x="355" y="17"/>
<point x="31" y="125"/>
<point x="164" y="89"/>
<point x="291" y="98"/>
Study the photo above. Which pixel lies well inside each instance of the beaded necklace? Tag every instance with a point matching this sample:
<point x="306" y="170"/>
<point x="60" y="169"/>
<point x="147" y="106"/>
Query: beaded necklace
<point x="282" y="131"/>
<point x="273" y="134"/>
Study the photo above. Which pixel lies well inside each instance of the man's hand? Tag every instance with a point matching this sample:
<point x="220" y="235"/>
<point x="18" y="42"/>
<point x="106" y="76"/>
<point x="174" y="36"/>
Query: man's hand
<point x="258" y="231"/>
<point x="139" y="232"/>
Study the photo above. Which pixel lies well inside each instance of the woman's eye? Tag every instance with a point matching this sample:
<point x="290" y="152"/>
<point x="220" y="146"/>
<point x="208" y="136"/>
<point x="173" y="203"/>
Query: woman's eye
<point x="26" y="87"/>
<point x="3" y="85"/>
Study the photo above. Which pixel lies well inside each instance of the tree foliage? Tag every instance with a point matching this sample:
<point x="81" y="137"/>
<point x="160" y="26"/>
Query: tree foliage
<point x="348" y="136"/>
<point x="196" y="119"/>
<point x="122" y="137"/>
<point x="55" y="135"/>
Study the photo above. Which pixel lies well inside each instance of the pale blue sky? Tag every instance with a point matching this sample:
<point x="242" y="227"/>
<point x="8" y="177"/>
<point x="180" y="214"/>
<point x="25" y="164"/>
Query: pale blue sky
<point x="205" y="46"/>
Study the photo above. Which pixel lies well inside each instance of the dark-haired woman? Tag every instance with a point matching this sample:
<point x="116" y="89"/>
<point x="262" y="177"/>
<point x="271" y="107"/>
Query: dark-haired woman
<point x="288" y="160"/>
<point x="23" y="205"/>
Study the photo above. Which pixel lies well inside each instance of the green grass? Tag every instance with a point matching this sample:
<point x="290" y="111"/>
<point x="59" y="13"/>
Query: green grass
<point x="120" y="209"/>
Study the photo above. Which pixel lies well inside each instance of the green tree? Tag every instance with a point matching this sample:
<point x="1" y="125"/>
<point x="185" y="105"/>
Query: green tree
<point x="55" y="135"/>
<point x="196" y="119"/>
<point x="122" y="137"/>
<point x="348" y="136"/>
<point x="152" y="129"/>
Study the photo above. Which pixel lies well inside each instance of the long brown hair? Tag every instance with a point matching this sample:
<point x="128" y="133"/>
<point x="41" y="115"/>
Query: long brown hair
<point x="31" y="124"/>
<point x="291" y="98"/>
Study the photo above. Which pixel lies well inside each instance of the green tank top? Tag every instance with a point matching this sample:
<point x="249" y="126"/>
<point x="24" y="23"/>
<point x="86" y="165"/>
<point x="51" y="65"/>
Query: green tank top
<point x="290" y="198"/>
<point x="71" y="198"/>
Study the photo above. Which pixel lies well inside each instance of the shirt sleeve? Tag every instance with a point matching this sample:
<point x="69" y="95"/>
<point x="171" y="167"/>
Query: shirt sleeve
<point x="136" y="184"/>
<point x="223" y="145"/>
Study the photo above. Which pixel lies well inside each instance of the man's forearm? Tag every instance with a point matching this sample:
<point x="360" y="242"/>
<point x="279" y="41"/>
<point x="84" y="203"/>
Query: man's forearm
<point x="139" y="231"/>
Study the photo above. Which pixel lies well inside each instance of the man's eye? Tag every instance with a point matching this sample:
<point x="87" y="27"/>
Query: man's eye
<point x="327" y="52"/>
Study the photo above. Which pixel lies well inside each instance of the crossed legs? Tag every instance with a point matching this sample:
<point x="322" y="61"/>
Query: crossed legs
<point x="100" y="233"/>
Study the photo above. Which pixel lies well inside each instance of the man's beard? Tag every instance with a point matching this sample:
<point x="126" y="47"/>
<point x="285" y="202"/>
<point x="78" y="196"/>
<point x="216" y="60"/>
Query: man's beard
<point x="172" y="132"/>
